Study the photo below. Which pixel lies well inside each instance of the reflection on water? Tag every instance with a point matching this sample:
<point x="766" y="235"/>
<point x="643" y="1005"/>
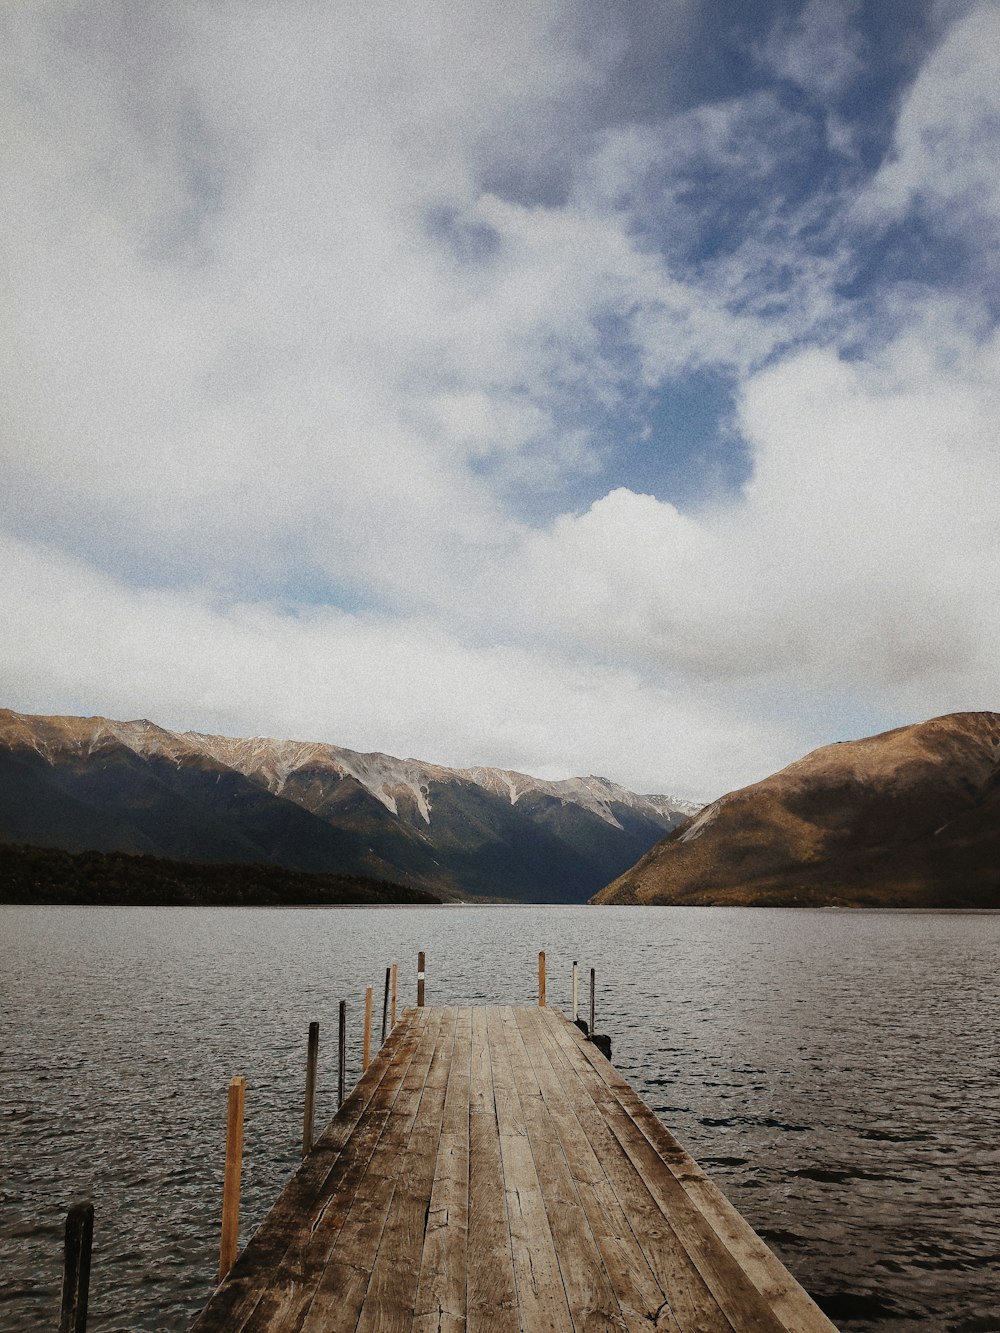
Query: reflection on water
<point x="836" y="1073"/>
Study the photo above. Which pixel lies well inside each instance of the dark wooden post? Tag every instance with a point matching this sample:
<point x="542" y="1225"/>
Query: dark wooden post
<point x="593" y="990"/>
<point x="341" y="1051"/>
<point x="541" y="979"/>
<point x="366" y="1052"/>
<point x="312" y="1055"/>
<point x="576" y="993"/>
<point x="76" y="1268"/>
<point x="231" y="1183"/>
<point x="392" y="1009"/>
<point x="420" y="980"/>
<point x="385" y="1003"/>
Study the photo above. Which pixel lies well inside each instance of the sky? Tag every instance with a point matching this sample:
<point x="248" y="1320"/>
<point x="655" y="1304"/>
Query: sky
<point x="573" y="386"/>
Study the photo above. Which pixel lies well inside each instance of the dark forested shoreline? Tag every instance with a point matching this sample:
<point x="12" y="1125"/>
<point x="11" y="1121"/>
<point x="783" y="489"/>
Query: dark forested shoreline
<point x="48" y="875"/>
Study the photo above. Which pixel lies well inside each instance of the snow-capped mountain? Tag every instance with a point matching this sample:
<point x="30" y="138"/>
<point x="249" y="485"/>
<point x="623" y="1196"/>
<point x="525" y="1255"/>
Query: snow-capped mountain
<point x="396" y="782"/>
<point x="134" y="786"/>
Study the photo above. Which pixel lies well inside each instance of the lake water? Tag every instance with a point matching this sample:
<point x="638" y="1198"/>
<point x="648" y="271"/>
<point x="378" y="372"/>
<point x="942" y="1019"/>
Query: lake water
<point x="836" y="1073"/>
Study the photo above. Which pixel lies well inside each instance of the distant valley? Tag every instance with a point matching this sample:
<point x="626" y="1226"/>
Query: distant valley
<point x="908" y="818"/>
<point x="98" y="785"/>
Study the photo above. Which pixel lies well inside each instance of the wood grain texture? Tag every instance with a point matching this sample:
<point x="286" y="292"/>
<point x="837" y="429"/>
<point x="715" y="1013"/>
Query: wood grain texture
<point x="493" y="1173"/>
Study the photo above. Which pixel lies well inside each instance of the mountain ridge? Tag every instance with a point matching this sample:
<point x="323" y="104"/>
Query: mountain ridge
<point x="100" y="784"/>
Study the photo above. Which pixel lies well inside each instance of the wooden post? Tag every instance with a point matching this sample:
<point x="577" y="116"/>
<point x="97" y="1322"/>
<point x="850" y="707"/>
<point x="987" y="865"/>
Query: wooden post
<point x="576" y="993"/>
<point x="231" y="1184"/>
<point x="385" y="1003"/>
<point x="420" y="980"/>
<point x="392" y="1011"/>
<point x="366" y="1053"/>
<point x="541" y="980"/>
<point x="312" y="1055"/>
<point x="593" y="988"/>
<point x="76" y="1268"/>
<point x="341" y="1052"/>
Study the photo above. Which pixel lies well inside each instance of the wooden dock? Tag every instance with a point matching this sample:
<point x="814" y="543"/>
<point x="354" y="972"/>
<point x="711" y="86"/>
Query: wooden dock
<point x="493" y="1171"/>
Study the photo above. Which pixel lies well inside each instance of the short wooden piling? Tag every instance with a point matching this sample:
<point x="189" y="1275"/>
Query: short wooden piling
<point x="576" y="993"/>
<point x="385" y="1004"/>
<point x="366" y="1052"/>
<point x="231" y="1183"/>
<point x="341" y="1052"/>
<point x="541" y="979"/>
<point x="308" y="1117"/>
<point x="420" y="980"/>
<point x="593" y="993"/>
<point x="76" y="1268"/>
<point x="392" y="1010"/>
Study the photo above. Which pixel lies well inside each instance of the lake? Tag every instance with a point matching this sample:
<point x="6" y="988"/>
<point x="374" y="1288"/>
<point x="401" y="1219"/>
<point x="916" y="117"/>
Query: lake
<point x="835" y="1072"/>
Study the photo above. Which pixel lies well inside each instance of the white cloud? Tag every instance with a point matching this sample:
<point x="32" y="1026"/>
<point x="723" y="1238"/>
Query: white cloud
<point x="863" y="554"/>
<point x="85" y="643"/>
<point x="322" y="292"/>
<point x="230" y="307"/>
<point x="819" y="49"/>
<point x="947" y="137"/>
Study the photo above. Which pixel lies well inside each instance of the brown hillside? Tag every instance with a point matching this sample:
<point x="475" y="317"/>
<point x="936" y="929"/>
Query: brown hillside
<point x="910" y="817"/>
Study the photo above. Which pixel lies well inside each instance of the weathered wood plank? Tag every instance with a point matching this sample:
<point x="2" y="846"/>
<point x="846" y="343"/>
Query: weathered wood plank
<point x="541" y="1297"/>
<point x="592" y="1302"/>
<point x="737" y="1297"/>
<point x="790" y="1301"/>
<point x="296" y="1208"/>
<point x="290" y="1290"/>
<point x="686" y="1297"/>
<point x="390" y="1299"/>
<point x="441" y="1285"/>
<point x="491" y="1296"/>
<point x="492" y="1171"/>
<point x="354" y="1226"/>
<point x="642" y="1300"/>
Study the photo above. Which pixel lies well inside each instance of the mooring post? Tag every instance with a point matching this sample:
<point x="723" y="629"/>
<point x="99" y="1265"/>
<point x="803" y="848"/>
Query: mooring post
<point x="231" y="1183"/>
<point x="593" y="991"/>
<point x="385" y="1003"/>
<point x="576" y="993"/>
<point x="541" y="979"/>
<point x="392" y="1015"/>
<point x="420" y="979"/>
<point x="312" y="1056"/>
<point x="366" y="1053"/>
<point x="76" y="1268"/>
<point x="341" y="1052"/>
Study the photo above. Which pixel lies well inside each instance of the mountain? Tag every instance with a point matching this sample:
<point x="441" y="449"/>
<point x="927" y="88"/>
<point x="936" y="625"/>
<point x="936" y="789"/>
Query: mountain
<point x="100" y="785"/>
<point x="910" y="817"/>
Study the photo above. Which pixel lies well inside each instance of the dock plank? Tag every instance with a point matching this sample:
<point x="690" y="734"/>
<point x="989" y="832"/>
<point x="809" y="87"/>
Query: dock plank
<point x="738" y="1297"/>
<point x="491" y="1293"/>
<point x="590" y="1296"/>
<point x="290" y="1290"/>
<point x="541" y="1297"/>
<point x="641" y="1298"/>
<point x="390" y="1300"/>
<point x="493" y="1173"/>
<point x="789" y="1301"/>
<point x="441" y="1284"/>
<point x="341" y="1290"/>
<point x="686" y="1296"/>
<point x="298" y="1209"/>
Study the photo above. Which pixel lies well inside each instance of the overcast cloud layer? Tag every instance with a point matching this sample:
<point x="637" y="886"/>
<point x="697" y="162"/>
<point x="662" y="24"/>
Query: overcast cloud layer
<point x="568" y="387"/>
